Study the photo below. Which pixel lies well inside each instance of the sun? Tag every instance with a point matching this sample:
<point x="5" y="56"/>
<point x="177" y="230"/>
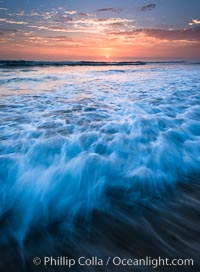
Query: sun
<point x="107" y="56"/>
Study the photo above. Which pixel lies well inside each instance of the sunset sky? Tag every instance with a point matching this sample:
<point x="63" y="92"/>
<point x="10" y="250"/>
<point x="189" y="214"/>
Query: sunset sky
<point x="99" y="30"/>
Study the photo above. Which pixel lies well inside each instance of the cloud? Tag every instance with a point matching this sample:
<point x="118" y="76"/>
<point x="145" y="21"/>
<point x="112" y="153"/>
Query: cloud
<point x="6" y="32"/>
<point x="63" y="19"/>
<point x="9" y="35"/>
<point x="109" y="9"/>
<point x="147" y="7"/>
<point x="3" y="9"/>
<point x="195" y="22"/>
<point x="52" y="14"/>
<point x="50" y="28"/>
<point x="34" y="13"/>
<point x="49" y="40"/>
<point x="85" y="14"/>
<point x="185" y="34"/>
<point x="64" y="29"/>
<point x="7" y="21"/>
<point x="20" y="13"/>
<point x="49" y="15"/>
<point x="87" y="25"/>
<point x="191" y="34"/>
<point x="70" y="12"/>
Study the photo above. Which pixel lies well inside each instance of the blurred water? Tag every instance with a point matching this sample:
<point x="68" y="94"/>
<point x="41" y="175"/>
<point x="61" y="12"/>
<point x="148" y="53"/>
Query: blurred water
<point x="110" y="143"/>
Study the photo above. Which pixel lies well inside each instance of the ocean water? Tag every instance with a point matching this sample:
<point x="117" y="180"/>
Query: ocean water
<point x="99" y="159"/>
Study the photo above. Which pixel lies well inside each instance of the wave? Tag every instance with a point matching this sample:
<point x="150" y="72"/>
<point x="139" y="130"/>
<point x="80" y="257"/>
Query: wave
<point x="27" y="63"/>
<point x="27" y="79"/>
<point x="108" y="165"/>
<point x="23" y="63"/>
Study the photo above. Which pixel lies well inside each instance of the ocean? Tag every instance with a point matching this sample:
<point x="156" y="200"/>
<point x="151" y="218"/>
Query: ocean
<point x="99" y="159"/>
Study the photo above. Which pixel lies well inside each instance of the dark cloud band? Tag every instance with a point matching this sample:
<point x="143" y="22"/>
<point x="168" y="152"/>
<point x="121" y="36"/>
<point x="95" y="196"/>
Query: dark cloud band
<point x="147" y="7"/>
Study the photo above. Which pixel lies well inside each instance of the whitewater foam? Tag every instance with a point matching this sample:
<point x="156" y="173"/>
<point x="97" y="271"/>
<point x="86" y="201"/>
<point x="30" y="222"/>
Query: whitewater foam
<point x="72" y="138"/>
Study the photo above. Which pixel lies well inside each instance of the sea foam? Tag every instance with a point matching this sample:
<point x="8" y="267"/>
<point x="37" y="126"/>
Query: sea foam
<point x="74" y="138"/>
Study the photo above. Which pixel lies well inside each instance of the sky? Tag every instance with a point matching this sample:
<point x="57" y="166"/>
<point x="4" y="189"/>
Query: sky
<point x="114" y="30"/>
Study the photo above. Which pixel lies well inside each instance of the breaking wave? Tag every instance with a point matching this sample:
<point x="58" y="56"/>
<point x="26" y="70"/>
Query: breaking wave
<point x="90" y="142"/>
<point x="26" y="63"/>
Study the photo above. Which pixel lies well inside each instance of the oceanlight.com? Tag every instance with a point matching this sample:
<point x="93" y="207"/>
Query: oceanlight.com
<point x="110" y="261"/>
